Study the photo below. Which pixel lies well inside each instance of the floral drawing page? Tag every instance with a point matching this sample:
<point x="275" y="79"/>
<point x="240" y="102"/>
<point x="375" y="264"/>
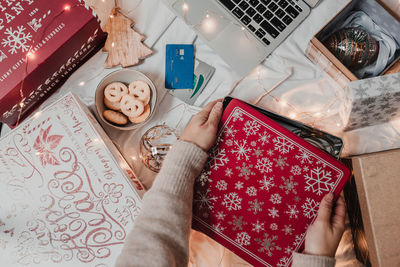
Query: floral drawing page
<point x="262" y="187"/>
<point x="64" y="200"/>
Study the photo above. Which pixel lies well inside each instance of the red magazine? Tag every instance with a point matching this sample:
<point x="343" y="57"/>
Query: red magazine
<point x="262" y="187"/>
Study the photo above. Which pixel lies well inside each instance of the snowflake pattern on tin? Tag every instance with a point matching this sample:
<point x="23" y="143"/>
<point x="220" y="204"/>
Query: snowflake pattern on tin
<point x="267" y="183"/>
<point x="241" y="150"/>
<point x="243" y="239"/>
<point x="318" y="181"/>
<point x="310" y="208"/>
<point x="251" y="191"/>
<point x="264" y="165"/>
<point x="232" y="201"/>
<point x="283" y="145"/>
<point x="258" y="190"/>
<point x="255" y="206"/>
<point x="251" y="128"/>
<point x="268" y="244"/>
<point x="258" y="226"/>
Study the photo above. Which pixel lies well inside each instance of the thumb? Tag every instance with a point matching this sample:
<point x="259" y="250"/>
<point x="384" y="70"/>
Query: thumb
<point x="215" y="114"/>
<point x="325" y="209"/>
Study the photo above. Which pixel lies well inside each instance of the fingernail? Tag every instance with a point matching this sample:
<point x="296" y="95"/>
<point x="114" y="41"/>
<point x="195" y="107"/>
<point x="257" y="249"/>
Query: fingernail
<point x="218" y="106"/>
<point x="329" y="197"/>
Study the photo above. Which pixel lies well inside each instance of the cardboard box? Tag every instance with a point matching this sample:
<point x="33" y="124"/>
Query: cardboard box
<point x="41" y="43"/>
<point x="320" y="55"/>
<point x="66" y="192"/>
<point x="378" y="182"/>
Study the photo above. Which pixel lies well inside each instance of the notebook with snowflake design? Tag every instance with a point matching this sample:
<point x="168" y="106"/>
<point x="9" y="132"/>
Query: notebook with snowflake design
<point x="261" y="187"/>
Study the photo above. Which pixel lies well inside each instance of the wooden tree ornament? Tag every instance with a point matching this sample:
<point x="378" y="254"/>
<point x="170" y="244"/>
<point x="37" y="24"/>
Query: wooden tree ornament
<point x="124" y="45"/>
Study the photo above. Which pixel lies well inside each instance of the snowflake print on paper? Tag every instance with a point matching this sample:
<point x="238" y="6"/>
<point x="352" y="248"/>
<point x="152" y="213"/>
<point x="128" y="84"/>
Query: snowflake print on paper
<point x="281" y="162"/>
<point x="239" y="185"/>
<point x="295" y="170"/>
<point x="273" y="227"/>
<point x="258" y="226"/>
<point x="283" y="262"/>
<point x="255" y="206"/>
<point x="287" y="229"/>
<point x="218" y="227"/>
<point x="268" y="244"/>
<point x="237" y="115"/>
<point x="45" y="144"/>
<point x="318" y="181"/>
<point x="251" y="191"/>
<point x="17" y="40"/>
<point x="251" y="128"/>
<point x="217" y="158"/>
<point x="253" y="143"/>
<point x="267" y="183"/>
<point x="264" y="138"/>
<point x="243" y="239"/>
<point x="241" y="150"/>
<point x="245" y="171"/>
<point x="292" y="211"/>
<point x="289" y="185"/>
<point x="310" y="208"/>
<point x="228" y="172"/>
<point x="221" y="185"/>
<point x="264" y="165"/>
<point x="229" y="131"/>
<point x="204" y="178"/>
<point x="237" y="223"/>
<point x="270" y="152"/>
<point x="304" y="157"/>
<point x="282" y="145"/>
<point x="232" y="201"/>
<point x="273" y="212"/>
<point x="220" y="215"/>
<point x="205" y="200"/>
<point x="275" y="198"/>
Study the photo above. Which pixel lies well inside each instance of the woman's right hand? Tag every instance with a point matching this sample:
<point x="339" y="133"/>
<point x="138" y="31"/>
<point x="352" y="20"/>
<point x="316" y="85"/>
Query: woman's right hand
<point x="324" y="235"/>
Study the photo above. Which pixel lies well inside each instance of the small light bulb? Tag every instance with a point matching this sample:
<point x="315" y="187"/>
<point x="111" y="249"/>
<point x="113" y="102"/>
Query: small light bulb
<point x="67" y="7"/>
<point x="30" y="55"/>
<point x="338" y="124"/>
<point x="242" y="28"/>
<point x="292" y="115"/>
<point x="111" y="16"/>
<point x="133" y="158"/>
<point x="82" y="83"/>
<point x="112" y="44"/>
<point x="37" y="114"/>
<point x="207" y="16"/>
<point x="21" y="104"/>
<point x="283" y="103"/>
<point x="318" y="114"/>
<point x="185" y="7"/>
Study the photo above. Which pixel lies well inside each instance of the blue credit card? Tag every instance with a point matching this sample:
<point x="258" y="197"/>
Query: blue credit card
<point x="179" y="66"/>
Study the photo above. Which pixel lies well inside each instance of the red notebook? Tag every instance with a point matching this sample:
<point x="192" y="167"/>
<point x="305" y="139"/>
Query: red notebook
<point x="262" y="187"/>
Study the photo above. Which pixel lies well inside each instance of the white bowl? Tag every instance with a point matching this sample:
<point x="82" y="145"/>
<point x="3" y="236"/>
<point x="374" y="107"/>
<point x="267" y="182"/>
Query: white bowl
<point x="125" y="76"/>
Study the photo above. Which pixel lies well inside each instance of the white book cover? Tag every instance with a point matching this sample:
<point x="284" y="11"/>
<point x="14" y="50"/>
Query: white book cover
<point x="67" y="197"/>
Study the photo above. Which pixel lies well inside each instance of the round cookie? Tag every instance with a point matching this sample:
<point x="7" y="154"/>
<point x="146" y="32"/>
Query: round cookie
<point x="115" y="117"/>
<point x="131" y="107"/>
<point x="143" y="117"/>
<point x="112" y="105"/>
<point x="140" y="90"/>
<point x="115" y="91"/>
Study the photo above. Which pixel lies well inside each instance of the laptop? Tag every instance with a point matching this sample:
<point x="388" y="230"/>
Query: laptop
<point x="242" y="32"/>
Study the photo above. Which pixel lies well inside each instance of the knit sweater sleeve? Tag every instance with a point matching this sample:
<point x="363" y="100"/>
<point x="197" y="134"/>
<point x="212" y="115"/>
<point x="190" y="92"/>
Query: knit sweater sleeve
<point x="160" y="235"/>
<point x="304" y="260"/>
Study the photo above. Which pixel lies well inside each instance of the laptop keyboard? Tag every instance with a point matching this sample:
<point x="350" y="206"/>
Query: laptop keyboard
<point x="264" y="16"/>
